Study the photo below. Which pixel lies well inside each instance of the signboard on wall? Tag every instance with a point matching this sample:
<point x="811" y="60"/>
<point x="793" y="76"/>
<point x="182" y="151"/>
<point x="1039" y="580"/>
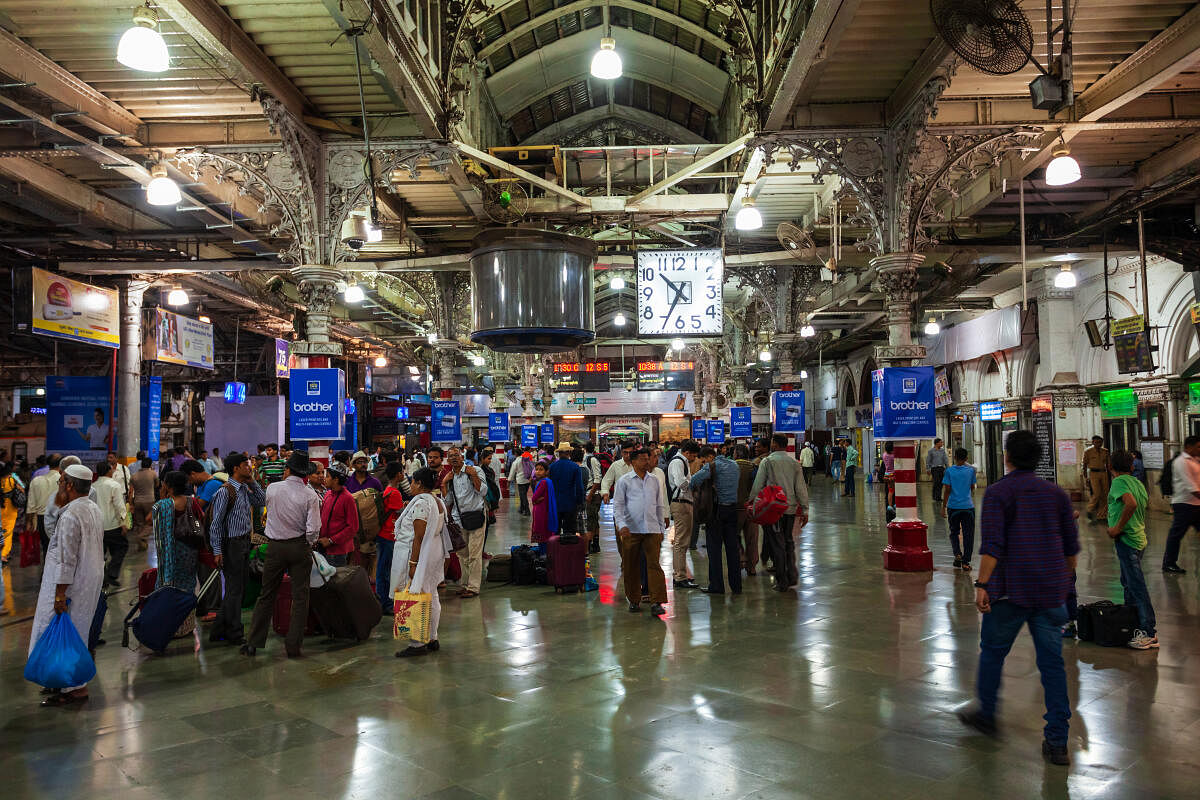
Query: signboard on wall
<point x="941" y="389"/>
<point x="699" y="430"/>
<point x="665" y="376"/>
<point x="78" y="416"/>
<point x="446" y="424"/>
<point x="787" y="411"/>
<point x="1043" y="430"/>
<point x="903" y="403"/>
<point x="317" y="398"/>
<point x="739" y="422"/>
<point x="586" y="376"/>
<point x="68" y="309"/>
<point x="178" y="339"/>
<point x="1118" y="404"/>
<point x="991" y="411"/>
<point x="497" y="427"/>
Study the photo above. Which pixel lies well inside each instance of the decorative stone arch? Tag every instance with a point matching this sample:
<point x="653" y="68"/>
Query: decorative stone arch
<point x="846" y="390"/>
<point x="1178" y="342"/>
<point x="986" y="386"/>
<point x="864" y="380"/>
<point x="1023" y="368"/>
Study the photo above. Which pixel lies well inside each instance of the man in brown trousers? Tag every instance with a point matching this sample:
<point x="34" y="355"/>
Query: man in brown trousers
<point x="1094" y="466"/>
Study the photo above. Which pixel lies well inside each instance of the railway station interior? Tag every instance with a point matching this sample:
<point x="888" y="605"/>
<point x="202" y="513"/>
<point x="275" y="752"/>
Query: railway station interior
<point x="939" y="258"/>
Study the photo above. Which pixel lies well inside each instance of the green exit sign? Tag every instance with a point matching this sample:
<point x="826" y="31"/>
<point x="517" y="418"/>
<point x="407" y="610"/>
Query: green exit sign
<point x="1194" y="395"/>
<point x="1118" y="404"/>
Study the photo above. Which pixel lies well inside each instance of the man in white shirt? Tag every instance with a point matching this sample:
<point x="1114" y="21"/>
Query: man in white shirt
<point x="293" y="525"/>
<point x="519" y="474"/>
<point x="679" y="473"/>
<point x="616" y="471"/>
<point x="41" y="490"/>
<point x="595" y="477"/>
<point x="111" y="500"/>
<point x="639" y="515"/>
<point x="121" y="475"/>
<point x="807" y="459"/>
<point x="464" y="490"/>
<point x="1185" y="501"/>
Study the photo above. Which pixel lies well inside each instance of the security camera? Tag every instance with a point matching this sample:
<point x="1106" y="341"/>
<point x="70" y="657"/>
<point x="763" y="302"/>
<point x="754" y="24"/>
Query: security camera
<point x="354" y="232"/>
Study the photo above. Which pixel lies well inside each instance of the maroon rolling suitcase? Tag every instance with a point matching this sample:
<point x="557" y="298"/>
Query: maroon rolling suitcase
<point x="282" y="617"/>
<point x="566" y="563"/>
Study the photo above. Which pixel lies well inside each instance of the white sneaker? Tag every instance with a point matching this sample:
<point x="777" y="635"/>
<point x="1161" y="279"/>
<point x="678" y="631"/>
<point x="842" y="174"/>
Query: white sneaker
<point x="1141" y="641"/>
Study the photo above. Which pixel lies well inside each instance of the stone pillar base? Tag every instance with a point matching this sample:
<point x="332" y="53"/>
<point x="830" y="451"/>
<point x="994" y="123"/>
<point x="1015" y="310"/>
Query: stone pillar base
<point x="907" y="550"/>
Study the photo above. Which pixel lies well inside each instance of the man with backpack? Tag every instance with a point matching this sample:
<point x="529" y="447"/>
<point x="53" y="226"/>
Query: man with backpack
<point x="679" y="494"/>
<point x="1180" y="482"/>
<point x="782" y="470"/>
<point x="230" y="520"/>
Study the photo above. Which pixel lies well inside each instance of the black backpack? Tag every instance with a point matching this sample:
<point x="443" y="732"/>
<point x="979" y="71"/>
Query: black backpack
<point x="524" y="559"/>
<point x="1166" y="481"/>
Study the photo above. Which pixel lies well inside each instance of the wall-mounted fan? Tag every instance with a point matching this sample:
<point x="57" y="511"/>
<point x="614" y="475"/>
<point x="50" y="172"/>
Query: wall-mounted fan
<point x="721" y="400"/>
<point x="505" y="202"/>
<point x="760" y="399"/>
<point x="993" y="36"/>
<point x="796" y="240"/>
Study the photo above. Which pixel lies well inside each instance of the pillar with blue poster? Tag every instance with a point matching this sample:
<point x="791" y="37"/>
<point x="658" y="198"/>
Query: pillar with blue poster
<point x="902" y="403"/>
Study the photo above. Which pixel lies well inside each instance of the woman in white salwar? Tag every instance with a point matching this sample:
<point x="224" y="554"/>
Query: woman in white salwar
<point x="418" y="560"/>
<point x="74" y="570"/>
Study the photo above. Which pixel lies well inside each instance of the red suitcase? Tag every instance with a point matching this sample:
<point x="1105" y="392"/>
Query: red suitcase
<point x="282" y="618"/>
<point x="566" y="564"/>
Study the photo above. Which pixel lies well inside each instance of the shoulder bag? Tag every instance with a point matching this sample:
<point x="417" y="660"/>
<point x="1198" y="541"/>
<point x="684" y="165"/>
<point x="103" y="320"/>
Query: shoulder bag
<point x="471" y="520"/>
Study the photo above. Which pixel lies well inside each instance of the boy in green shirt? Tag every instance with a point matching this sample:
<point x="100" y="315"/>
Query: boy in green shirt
<point x="1127" y="528"/>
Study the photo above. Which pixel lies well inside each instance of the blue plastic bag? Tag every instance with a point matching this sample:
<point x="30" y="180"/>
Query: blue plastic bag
<point x="60" y="658"/>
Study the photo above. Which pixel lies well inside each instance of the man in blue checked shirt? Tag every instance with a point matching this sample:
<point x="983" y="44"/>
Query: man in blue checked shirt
<point x="230" y="522"/>
<point x="1030" y="544"/>
<point x="721" y="530"/>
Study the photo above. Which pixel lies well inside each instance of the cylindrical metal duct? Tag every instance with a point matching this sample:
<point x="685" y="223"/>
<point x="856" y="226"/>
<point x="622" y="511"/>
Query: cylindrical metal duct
<point x="532" y="291"/>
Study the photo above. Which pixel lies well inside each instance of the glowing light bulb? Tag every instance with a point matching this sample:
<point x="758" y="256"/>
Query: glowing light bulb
<point x="617" y="283"/>
<point x="932" y="328"/>
<point x="162" y="190"/>
<point x="606" y="64"/>
<point x="677" y="344"/>
<point x="1065" y="279"/>
<point x="807" y="331"/>
<point x="619" y="320"/>
<point x="748" y="218"/>
<point x="354" y="293"/>
<point x="177" y="297"/>
<point x="381" y="362"/>
<point x="1063" y="170"/>
<point x="142" y="47"/>
<point x="764" y="355"/>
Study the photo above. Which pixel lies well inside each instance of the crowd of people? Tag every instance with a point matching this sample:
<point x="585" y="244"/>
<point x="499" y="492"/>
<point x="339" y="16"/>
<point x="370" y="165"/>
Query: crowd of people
<point x="438" y="505"/>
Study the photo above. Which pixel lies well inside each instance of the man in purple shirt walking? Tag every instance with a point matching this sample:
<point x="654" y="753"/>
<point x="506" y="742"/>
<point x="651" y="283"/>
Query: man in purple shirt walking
<point x="1030" y="543"/>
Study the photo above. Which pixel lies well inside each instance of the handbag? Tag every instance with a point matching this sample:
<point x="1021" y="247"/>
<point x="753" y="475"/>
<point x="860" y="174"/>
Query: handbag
<point x="412" y="616"/>
<point x="453" y="568"/>
<point x="188" y="528"/>
<point x="457" y="540"/>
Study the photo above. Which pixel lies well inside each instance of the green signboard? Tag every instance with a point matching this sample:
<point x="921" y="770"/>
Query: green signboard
<point x="1118" y="404"/>
<point x="1194" y="397"/>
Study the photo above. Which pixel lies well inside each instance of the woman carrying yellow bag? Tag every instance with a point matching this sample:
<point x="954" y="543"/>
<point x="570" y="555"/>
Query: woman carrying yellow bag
<point x="418" y="566"/>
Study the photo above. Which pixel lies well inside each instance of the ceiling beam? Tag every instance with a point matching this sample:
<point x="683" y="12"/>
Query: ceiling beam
<point x="221" y="36"/>
<point x="1161" y="165"/>
<point x="23" y="63"/>
<point x="821" y="35"/>
<point x="77" y="195"/>
<point x="504" y="166"/>
<point x="910" y="87"/>
<point x="697" y="166"/>
<point x="1166" y="55"/>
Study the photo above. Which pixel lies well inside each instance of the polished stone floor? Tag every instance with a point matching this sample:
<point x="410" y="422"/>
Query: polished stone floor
<point x="845" y="688"/>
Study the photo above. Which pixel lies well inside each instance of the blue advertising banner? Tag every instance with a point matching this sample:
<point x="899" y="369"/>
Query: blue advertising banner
<point x="991" y="411"/>
<point x="498" y="427"/>
<point x="350" y="440"/>
<point x="739" y="422"/>
<point x="699" y="430"/>
<point x="316" y="398"/>
<point x="787" y="412"/>
<point x="903" y="403"/>
<point x="547" y="433"/>
<point x="77" y="416"/>
<point x="446" y="424"/>
<point x="152" y="416"/>
<point x="716" y="431"/>
<point x="529" y="435"/>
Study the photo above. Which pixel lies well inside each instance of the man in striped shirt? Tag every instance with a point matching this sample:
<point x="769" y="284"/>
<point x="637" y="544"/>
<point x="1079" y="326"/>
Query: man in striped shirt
<point x="272" y="466"/>
<point x="230" y="522"/>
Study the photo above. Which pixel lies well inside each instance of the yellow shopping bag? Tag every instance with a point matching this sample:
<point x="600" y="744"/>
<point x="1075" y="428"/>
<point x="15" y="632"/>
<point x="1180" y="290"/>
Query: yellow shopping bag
<point x="412" y="616"/>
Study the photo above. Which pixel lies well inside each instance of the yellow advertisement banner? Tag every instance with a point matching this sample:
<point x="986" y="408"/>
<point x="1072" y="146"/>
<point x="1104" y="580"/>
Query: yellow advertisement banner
<point x="69" y="309"/>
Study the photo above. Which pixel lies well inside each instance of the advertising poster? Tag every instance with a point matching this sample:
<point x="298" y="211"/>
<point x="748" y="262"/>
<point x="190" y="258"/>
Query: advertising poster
<point x="180" y="340"/>
<point x="529" y="435"/>
<point x="716" y="431"/>
<point x="547" y="433"/>
<point x="903" y="403"/>
<point x="1043" y="429"/>
<point x="739" y="422"/>
<point x="78" y="416"/>
<point x="941" y="389"/>
<point x="446" y="423"/>
<point x="317" y="405"/>
<point x="699" y="430"/>
<point x="152" y="416"/>
<point x="283" y="358"/>
<point x="498" y="427"/>
<point x="787" y="411"/>
<point x="72" y="310"/>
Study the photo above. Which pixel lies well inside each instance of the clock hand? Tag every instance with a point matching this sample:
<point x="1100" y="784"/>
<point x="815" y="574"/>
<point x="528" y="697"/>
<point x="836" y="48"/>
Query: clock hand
<point x="671" y="310"/>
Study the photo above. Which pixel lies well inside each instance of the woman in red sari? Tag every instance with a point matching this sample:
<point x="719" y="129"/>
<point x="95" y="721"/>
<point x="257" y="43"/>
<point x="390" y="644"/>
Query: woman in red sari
<point x="543" y="506"/>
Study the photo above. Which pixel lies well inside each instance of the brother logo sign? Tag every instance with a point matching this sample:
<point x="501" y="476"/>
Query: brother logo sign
<point x="301" y="407"/>
<point x="316" y="404"/>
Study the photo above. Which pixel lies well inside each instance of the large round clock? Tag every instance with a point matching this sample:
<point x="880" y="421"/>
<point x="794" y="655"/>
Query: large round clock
<point x="679" y="292"/>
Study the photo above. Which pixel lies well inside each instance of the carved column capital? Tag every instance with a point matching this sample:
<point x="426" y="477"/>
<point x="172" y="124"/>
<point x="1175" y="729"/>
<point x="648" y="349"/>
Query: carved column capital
<point x="318" y="291"/>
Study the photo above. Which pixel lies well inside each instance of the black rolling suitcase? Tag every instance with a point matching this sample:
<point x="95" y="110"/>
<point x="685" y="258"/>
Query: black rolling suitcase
<point x="346" y="606"/>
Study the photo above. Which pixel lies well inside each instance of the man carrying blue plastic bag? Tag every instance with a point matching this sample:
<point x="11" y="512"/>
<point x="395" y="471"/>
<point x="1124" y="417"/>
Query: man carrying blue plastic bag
<point x="74" y="572"/>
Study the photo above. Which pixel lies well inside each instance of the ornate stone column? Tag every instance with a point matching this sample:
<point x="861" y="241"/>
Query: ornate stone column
<point x="318" y="290"/>
<point x="1057" y="376"/>
<point x="444" y="386"/>
<point x="129" y="373"/>
<point x="907" y="549"/>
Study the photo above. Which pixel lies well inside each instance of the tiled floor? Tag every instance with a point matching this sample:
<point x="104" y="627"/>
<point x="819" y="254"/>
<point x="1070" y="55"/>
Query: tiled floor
<point x="845" y="688"/>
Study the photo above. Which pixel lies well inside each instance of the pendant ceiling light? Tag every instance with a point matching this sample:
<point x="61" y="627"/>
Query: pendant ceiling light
<point x="748" y="218"/>
<point x="677" y="345"/>
<point x="354" y="293"/>
<point x="606" y="64"/>
<point x="161" y="190"/>
<point x="803" y="374"/>
<point x="177" y="296"/>
<point x="381" y="362"/>
<point x="617" y="283"/>
<point x="932" y="328"/>
<point x="142" y="47"/>
<point x="764" y="354"/>
<point x="1065" y="279"/>
<point x="807" y="331"/>
<point x="1064" y="169"/>
<point x="619" y="320"/>
<point x="374" y="233"/>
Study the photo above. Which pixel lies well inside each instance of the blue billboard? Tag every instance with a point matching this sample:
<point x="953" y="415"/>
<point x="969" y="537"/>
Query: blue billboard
<point x="78" y="416"/>
<point x="547" y="433"/>
<point x="716" y="431"/>
<point x="529" y="435"/>
<point x="739" y="422"/>
<point x="991" y="411"/>
<point x="151" y="416"/>
<point x="498" y="427"/>
<point x="446" y="421"/>
<point x="316" y="400"/>
<point x="787" y="412"/>
<point x="902" y="403"/>
<point x="699" y="430"/>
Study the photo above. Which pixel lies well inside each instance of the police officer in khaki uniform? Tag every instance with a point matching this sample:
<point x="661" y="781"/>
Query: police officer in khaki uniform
<point x="1095" y="475"/>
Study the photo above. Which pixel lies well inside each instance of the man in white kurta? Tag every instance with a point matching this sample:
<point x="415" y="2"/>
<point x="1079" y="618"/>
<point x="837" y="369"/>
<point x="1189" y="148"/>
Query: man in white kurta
<point x="74" y="562"/>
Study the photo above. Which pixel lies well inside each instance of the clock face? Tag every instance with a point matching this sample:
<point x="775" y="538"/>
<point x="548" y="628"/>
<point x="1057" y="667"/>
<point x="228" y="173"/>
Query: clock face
<point x="679" y="293"/>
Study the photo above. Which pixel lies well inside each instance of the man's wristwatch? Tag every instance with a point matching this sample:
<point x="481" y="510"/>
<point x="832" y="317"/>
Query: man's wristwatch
<point x="980" y="585"/>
